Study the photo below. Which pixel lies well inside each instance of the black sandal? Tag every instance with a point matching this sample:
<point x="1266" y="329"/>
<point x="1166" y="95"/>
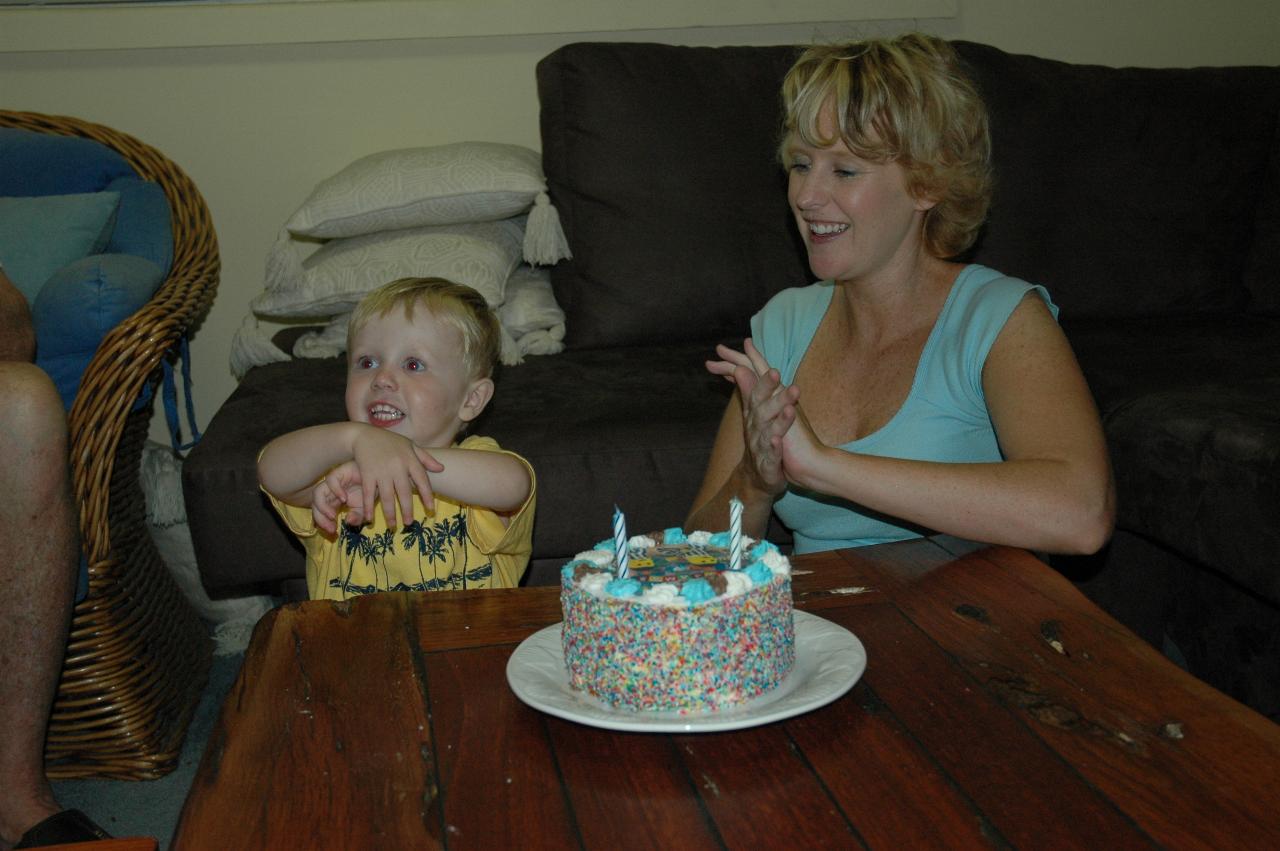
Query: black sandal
<point x="61" y="828"/>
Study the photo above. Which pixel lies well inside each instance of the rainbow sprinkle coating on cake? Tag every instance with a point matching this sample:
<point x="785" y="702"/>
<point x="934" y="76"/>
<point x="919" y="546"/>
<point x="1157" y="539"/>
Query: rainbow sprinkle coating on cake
<point x="681" y="632"/>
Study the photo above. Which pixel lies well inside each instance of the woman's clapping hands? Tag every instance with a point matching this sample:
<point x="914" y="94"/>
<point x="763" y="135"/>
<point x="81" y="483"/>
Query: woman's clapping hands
<point x="775" y="432"/>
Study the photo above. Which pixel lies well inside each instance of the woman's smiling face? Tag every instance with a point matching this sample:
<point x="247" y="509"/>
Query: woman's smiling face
<point x="856" y="216"/>
<point x="407" y="375"/>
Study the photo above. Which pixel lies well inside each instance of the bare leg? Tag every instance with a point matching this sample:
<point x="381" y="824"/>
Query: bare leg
<point x="37" y="573"/>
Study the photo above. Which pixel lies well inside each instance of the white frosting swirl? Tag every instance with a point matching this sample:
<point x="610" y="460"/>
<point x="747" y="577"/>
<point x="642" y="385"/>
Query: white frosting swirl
<point x="600" y="558"/>
<point x="663" y="594"/>
<point x="736" y="583"/>
<point x="593" y="583"/>
<point x="776" y="562"/>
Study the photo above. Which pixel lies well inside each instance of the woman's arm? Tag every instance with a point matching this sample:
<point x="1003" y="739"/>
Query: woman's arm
<point x="1053" y="492"/>
<point x="729" y="474"/>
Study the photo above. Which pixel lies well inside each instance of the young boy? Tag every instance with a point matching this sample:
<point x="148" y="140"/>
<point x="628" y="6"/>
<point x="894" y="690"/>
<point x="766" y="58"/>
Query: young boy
<point x="420" y="353"/>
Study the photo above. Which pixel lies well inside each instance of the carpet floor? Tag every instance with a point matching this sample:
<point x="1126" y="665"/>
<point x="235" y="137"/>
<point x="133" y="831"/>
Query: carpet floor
<point x="151" y="807"/>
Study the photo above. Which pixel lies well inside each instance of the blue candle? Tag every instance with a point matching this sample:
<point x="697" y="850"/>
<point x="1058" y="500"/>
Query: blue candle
<point x="620" y="544"/>
<point x="735" y="534"/>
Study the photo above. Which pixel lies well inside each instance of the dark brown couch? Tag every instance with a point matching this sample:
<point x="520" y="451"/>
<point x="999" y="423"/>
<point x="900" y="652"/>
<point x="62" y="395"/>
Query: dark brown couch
<point x="1147" y="201"/>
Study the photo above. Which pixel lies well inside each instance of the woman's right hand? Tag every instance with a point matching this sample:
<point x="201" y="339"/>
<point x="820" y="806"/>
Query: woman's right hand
<point x="768" y="411"/>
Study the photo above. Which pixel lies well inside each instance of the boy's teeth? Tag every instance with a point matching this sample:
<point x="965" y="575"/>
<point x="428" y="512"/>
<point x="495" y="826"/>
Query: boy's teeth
<point x="385" y="412"/>
<point x="823" y="230"/>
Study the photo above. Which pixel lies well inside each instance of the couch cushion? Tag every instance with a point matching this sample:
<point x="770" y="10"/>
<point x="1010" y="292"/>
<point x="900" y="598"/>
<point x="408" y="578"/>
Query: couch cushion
<point x="1199" y="468"/>
<point x="661" y="161"/>
<point x="1191" y="408"/>
<point x="1262" y="275"/>
<point x="627" y="426"/>
<point x="1126" y="359"/>
<point x="1129" y="191"/>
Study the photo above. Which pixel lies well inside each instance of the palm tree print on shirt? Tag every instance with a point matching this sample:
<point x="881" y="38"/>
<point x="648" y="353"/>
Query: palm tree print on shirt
<point x="443" y="542"/>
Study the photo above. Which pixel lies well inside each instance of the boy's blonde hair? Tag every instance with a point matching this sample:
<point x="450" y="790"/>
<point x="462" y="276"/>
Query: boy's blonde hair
<point x="457" y="305"/>
<point x="905" y="100"/>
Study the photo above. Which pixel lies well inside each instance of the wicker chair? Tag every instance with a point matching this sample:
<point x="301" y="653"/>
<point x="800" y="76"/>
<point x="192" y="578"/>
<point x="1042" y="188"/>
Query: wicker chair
<point x="138" y="654"/>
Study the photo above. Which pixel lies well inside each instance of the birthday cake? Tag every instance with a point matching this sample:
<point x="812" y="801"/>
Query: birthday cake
<point x="679" y="630"/>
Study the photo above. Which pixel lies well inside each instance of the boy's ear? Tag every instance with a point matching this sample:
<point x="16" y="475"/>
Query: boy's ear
<point x="477" y="398"/>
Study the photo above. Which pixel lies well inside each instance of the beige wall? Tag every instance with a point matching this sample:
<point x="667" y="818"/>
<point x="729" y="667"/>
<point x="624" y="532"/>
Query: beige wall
<point x="257" y="125"/>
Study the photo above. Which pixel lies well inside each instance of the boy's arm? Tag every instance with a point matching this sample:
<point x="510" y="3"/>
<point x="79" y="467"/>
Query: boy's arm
<point x="290" y="465"/>
<point x="389" y="466"/>
<point x="494" y="480"/>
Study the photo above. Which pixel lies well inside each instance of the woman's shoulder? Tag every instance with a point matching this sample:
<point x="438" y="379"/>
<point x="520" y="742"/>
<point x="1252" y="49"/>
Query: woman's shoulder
<point x="783" y="329"/>
<point x="980" y="288"/>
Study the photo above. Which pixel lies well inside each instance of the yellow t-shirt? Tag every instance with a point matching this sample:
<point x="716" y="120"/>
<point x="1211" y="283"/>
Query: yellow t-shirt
<point x="454" y="547"/>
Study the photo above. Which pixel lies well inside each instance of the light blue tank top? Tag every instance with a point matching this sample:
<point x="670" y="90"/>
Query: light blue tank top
<point x="944" y="417"/>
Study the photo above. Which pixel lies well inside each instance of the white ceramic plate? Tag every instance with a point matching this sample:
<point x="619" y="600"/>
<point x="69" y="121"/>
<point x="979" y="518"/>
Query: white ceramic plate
<point x="829" y="660"/>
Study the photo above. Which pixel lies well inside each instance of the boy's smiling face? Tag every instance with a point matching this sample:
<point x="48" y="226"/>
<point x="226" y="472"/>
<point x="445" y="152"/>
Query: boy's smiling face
<point x="407" y="375"/>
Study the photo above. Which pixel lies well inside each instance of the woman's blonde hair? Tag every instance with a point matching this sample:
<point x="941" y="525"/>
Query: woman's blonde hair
<point x="906" y="100"/>
<point x="457" y="305"/>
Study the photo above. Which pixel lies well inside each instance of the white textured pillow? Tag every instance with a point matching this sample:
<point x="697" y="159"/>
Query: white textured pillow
<point x="482" y="255"/>
<point x="417" y="187"/>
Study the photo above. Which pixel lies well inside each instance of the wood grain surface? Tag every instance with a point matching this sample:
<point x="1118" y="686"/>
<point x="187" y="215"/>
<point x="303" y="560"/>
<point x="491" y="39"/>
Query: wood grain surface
<point x="999" y="708"/>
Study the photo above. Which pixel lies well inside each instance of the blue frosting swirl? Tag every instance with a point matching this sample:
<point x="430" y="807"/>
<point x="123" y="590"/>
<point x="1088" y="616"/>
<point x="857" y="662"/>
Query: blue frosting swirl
<point x="568" y="570"/>
<point x="762" y="547"/>
<point x="719" y="539"/>
<point x="697" y="591"/>
<point x="674" y="535"/>
<point x="759" y="572"/>
<point x="623" y="587"/>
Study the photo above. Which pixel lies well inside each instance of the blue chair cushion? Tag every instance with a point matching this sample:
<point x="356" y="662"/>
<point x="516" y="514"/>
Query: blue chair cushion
<point x="40" y="235"/>
<point x="80" y="304"/>
<point x="34" y="163"/>
<point x="44" y="164"/>
<point x="75" y="302"/>
<point x="142" y="222"/>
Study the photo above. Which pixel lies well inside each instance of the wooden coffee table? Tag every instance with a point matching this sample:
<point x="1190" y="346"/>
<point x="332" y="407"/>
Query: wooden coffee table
<point x="999" y="708"/>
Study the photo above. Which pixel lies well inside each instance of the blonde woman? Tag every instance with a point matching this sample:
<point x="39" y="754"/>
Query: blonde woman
<point x="905" y="393"/>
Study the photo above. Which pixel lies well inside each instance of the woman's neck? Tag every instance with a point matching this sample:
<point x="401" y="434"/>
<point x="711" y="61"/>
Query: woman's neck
<point x="897" y="301"/>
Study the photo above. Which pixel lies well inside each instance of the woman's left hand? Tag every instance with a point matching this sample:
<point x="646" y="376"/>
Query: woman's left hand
<point x="802" y="451"/>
